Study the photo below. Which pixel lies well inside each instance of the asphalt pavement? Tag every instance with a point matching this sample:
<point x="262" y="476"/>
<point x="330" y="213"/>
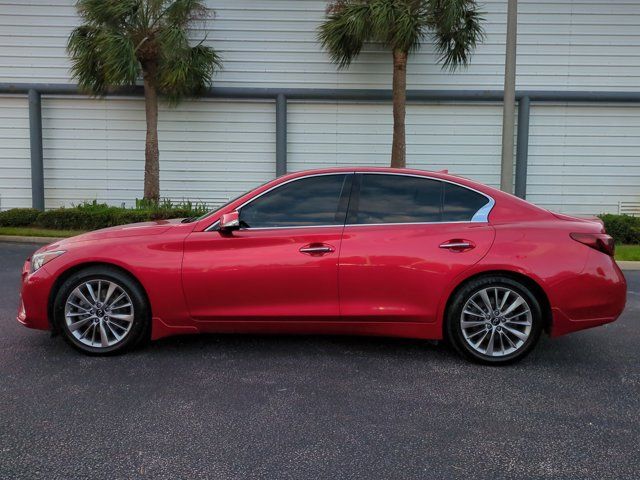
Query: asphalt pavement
<point x="276" y="407"/>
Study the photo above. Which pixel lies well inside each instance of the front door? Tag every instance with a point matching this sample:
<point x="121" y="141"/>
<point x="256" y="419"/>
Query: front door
<point x="406" y="238"/>
<point x="283" y="262"/>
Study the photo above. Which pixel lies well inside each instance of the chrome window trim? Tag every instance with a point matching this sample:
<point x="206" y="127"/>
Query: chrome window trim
<point x="408" y="223"/>
<point x="339" y="225"/>
<point x="481" y="216"/>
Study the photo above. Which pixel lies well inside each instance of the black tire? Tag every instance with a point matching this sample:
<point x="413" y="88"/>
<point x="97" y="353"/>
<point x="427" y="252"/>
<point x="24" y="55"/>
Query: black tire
<point x="453" y="324"/>
<point x="138" y="332"/>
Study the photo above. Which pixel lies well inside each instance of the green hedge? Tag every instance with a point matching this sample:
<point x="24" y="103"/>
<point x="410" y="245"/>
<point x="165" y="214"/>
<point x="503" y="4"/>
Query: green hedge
<point x="623" y="228"/>
<point x="92" y="216"/>
<point x="18" y="217"/>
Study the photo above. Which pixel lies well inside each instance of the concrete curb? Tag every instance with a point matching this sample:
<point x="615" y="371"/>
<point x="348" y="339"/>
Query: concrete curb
<point x="629" y="265"/>
<point x="38" y="240"/>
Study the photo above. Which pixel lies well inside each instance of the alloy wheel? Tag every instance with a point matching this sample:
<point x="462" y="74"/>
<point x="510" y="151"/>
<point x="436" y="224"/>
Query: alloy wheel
<point x="496" y="321"/>
<point x="99" y="313"/>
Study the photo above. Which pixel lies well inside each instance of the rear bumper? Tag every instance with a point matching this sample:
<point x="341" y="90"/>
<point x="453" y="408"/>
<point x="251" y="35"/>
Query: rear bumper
<point x="34" y="298"/>
<point x="595" y="297"/>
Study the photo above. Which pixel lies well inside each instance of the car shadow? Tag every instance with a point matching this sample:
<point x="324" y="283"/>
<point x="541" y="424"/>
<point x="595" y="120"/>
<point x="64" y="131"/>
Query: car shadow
<point x="580" y="348"/>
<point x="342" y="344"/>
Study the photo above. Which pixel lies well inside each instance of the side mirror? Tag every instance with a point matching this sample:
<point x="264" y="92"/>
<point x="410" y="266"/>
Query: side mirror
<point x="230" y="221"/>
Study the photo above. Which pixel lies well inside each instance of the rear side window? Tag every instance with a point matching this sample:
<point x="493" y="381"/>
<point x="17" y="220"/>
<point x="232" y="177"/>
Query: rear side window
<point x="311" y="201"/>
<point x="398" y="199"/>
<point x="461" y="204"/>
<point x="407" y="199"/>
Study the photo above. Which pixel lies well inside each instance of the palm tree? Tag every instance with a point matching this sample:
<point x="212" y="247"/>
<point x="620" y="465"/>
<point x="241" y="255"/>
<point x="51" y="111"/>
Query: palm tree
<point x="401" y="26"/>
<point x="124" y="41"/>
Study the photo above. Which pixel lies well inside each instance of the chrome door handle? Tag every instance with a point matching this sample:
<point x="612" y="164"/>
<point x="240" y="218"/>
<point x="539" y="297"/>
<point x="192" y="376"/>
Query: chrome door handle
<point x="457" y="245"/>
<point x="316" y="250"/>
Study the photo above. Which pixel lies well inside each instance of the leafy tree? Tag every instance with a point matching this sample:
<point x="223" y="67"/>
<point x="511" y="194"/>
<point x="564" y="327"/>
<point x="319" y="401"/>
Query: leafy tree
<point x="121" y="42"/>
<point x="401" y="26"/>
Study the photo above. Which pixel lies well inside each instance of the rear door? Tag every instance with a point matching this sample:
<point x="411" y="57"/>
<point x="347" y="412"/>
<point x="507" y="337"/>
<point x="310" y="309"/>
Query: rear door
<point x="406" y="237"/>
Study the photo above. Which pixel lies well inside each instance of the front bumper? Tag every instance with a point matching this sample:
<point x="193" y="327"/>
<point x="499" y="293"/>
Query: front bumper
<point x="33" y="310"/>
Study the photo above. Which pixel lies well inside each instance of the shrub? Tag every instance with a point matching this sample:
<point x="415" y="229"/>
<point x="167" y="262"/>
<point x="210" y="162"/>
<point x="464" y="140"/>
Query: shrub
<point x="623" y="228"/>
<point x="90" y="219"/>
<point x="94" y="215"/>
<point x="66" y="219"/>
<point x="18" y="217"/>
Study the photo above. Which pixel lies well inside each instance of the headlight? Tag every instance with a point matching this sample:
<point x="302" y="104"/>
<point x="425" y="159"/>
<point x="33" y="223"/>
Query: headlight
<point x="42" y="258"/>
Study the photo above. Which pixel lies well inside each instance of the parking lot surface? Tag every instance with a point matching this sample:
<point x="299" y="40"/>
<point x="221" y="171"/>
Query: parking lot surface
<point x="275" y="407"/>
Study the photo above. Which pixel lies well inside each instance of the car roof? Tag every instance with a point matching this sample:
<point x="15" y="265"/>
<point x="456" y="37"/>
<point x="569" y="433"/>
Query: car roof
<point x="442" y="174"/>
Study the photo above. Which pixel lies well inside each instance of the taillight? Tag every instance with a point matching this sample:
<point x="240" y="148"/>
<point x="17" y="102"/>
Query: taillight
<point x="600" y="241"/>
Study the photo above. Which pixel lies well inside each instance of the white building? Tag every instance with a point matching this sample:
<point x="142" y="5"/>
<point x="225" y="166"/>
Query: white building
<point x="583" y="157"/>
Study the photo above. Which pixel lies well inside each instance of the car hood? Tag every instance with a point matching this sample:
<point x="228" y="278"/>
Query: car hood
<point x="131" y="230"/>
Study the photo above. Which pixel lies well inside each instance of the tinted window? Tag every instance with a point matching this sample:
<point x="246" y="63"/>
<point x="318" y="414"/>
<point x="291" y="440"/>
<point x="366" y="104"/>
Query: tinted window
<point x="305" y="202"/>
<point x="398" y="199"/>
<point x="461" y="204"/>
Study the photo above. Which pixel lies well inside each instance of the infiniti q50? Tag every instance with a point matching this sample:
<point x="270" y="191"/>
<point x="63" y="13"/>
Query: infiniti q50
<point x="357" y="251"/>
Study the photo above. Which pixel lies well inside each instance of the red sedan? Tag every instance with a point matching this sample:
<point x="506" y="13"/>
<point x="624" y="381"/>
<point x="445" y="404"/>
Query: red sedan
<point x="357" y="251"/>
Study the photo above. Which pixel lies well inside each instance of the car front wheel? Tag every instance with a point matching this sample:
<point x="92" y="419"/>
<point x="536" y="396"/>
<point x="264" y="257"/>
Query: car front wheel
<point x="494" y="320"/>
<point x="100" y="310"/>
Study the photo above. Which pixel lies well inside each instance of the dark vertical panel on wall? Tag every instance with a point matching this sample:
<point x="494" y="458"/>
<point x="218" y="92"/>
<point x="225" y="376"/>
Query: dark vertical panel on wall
<point x="35" y="143"/>
<point x="522" y="149"/>
<point x="281" y="134"/>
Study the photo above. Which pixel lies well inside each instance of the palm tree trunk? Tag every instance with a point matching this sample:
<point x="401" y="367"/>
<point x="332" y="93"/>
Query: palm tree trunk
<point x="398" y="149"/>
<point x="151" y="152"/>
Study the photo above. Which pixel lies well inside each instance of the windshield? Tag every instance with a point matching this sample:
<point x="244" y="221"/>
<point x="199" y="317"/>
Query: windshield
<point x="210" y="212"/>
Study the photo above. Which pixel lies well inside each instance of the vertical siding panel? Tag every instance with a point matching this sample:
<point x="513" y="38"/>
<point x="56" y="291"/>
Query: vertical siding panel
<point x="15" y="160"/>
<point x="210" y="150"/>
<point x="584" y="159"/>
<point x="463" y="138"/>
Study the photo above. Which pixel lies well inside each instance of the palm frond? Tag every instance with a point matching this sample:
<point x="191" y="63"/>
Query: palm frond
<point x="382" y="16"/>
<point x="404" y="25"/>
<point x="182" y="12"/>
<point x="188" y="74"/>
<point x="85" y="64"/>
<point x="118" y="56"/>
<point x="457" y="27"/>
<point x="120" y="40"/>
<point x="347" y="28"/>
<point x="409" y="26"/>
<point x="107" y="12"/>
<point x="173" y="41"/>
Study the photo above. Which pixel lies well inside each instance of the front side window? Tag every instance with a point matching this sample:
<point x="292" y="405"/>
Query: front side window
<point x="313" y="201"/>
<point x="407" y="199"/>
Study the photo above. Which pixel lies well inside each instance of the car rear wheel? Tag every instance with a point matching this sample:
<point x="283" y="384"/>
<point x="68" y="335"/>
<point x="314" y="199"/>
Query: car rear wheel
<point x="494" y="320"/>
<point x="100" y="310"/>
